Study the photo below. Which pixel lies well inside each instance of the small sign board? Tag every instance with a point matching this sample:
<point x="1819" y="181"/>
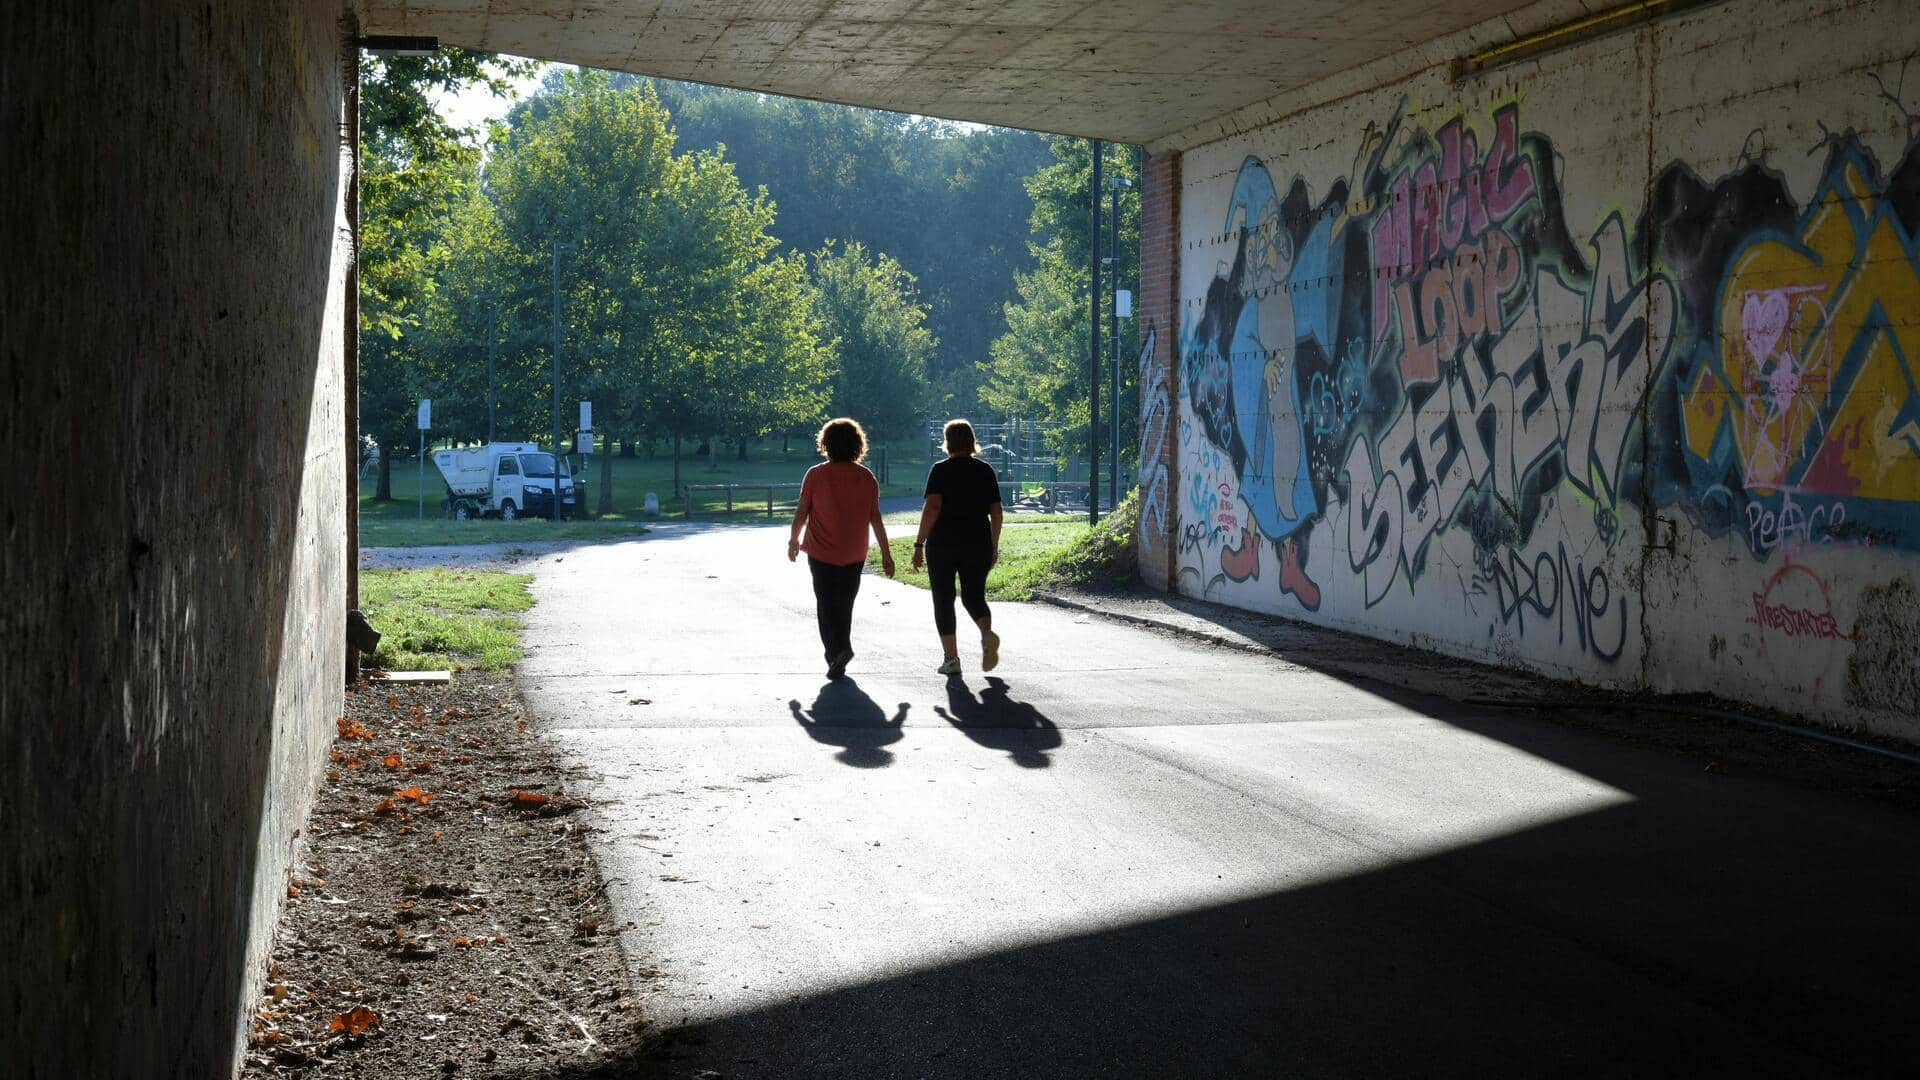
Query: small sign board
<point x="426" y="414"/>
<point x="1123" y="303"/>
<point x="586" y="416"/>
<point x="583" y="443"/>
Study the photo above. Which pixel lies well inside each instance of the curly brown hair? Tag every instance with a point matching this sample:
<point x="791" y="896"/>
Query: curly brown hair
<point x="842" y="439"/>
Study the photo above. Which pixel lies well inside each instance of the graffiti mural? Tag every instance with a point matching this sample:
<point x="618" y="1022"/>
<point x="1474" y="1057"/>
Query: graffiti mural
<point x="1796" y="411"/>
<point x="1418" y="396"/>
<point x="1156" y="421"/>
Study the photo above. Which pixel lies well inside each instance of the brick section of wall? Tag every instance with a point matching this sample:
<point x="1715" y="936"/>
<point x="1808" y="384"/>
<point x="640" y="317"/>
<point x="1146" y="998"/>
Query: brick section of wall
<point x="172" y="318"/>
<point x="1160" y="320"/>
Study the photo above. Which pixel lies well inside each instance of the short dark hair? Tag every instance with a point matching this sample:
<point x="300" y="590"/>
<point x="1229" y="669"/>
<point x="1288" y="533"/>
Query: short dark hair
<point x="842" y="439"/>
<point x="958" y="437"/>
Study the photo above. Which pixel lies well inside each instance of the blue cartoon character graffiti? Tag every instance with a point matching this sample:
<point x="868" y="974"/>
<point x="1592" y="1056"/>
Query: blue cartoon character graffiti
<point x="1271" y="329"/>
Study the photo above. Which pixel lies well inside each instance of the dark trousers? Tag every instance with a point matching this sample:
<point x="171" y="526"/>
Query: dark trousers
<point x="834" y="588"/>
<point x="970" y="565"/>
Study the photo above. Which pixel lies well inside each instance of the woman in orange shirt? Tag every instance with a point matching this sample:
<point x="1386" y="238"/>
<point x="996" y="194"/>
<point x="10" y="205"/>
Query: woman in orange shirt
<point x="839" y="502"/>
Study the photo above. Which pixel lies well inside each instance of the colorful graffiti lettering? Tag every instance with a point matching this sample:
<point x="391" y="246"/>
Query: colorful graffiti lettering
<point x="1449" y="357"/>
<point x="1425" y="355"/>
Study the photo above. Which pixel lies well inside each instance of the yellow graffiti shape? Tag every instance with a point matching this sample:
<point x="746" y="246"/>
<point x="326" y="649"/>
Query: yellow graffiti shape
<point x="1790" y="316"/>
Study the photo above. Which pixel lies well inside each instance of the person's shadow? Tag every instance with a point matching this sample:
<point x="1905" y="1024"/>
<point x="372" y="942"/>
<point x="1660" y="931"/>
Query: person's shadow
<point x="996" y="721"/>
<point x="844" y="716"/>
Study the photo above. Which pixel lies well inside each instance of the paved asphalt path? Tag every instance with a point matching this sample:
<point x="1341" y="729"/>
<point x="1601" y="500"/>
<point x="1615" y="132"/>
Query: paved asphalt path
<point x="1126" y="854"/>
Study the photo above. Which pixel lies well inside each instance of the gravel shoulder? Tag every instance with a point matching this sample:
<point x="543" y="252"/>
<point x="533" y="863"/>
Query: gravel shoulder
<point x="446" y="918"/>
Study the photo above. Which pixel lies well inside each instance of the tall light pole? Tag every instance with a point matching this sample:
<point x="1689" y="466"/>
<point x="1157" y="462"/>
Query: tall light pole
<point x="1113" y="336"/>
<point x="557" y="246"/>
<point x="493" y="335"/>
<point x="1093" y="354"/>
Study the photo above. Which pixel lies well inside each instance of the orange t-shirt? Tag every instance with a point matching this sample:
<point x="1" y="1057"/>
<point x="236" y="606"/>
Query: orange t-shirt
<point x="842" y="495"/>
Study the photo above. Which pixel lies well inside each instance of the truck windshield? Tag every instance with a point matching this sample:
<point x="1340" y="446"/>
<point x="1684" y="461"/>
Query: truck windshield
<point x="540" y="465"/>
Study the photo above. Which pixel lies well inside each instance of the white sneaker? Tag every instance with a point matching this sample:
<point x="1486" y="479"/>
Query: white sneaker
<point x="989" y="650"/>
<point x="950" y="667"/>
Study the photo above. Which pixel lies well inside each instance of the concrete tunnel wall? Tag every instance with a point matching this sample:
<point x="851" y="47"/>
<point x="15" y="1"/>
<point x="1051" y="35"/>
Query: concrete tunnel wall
<point x="173" y="313"/>
<point x="1603" y="364"/>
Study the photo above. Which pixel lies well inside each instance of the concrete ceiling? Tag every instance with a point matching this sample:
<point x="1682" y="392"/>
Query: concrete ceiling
<point x="1137" y="71"/>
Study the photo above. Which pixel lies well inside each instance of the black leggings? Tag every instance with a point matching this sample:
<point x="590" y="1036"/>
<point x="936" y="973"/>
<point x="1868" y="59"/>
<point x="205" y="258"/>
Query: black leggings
<point x="834" y="588"/>
<point x="971" y="564"/>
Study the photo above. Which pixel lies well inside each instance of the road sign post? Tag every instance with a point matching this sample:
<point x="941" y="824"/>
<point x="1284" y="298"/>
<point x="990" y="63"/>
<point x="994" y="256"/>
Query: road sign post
<point x="420" y="484"/>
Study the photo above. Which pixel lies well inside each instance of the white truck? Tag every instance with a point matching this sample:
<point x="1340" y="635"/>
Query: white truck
<point x="508" y="480"/>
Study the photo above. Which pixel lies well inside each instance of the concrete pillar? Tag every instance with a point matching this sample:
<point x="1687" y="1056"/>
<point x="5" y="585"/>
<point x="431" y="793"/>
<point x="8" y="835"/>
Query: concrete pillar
<point x="173" y="318"/>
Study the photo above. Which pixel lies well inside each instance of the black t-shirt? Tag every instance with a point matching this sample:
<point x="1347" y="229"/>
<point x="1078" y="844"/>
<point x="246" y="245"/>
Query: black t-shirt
<point x="967" y="488"/>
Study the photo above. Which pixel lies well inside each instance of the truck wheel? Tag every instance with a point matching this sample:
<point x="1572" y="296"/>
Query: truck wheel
<point x="462" y="512"/>
<point x="508" y="512"/>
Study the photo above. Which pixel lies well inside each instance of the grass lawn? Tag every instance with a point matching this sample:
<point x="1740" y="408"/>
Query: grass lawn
<point x="438" y="618"/>
<point x="395" y="523"/>
<point x="635" y="476"/>
<point x="1027" y="556"/>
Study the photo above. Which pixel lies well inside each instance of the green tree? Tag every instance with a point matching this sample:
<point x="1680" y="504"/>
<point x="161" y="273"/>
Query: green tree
<point x="415" y="170"/>
<point x="1039" y="367"/>
<point x="679" y="320"/>
<point x="868" y="306"/>
<point x="945" y="201"/>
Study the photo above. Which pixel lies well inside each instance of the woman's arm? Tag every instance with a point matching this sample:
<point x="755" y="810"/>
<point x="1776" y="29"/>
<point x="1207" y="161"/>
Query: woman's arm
<point x="800" y="514"/>
<point x="995" y="517"/>
<point x="880" y="534"/>
<point x="928" y="515"/>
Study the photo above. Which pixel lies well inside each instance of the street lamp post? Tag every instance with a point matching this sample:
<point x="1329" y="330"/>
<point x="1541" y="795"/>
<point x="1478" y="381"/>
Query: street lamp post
<point x="1113" y="336"/>
<point x="1093" y="357"/>
<point x="493" y="336"/>
<point x="557" y="247"/>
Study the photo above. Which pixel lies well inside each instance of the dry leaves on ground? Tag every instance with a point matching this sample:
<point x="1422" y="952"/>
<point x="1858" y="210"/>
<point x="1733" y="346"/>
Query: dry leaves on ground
<point x="460" y="930"/>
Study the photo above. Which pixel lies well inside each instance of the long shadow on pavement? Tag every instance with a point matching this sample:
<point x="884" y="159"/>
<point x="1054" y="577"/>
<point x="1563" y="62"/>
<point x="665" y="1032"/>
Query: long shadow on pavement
<point x="843" y="715"/>
<point x="996" y="721"/>
<point x="1708" y="925"/>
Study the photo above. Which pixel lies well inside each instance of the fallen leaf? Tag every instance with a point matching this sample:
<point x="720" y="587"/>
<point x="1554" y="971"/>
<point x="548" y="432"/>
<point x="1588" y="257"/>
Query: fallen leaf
<point x="393" y="702"/>
<point x="523" y="725"/>
<point x="384" y="806"/>
<point x="413" y="792"/>
<point x="293" y="890"/>
<point x="532" y="798"/>
<point x="391" y="761"/>
<point x="353" y="729"/>
<point x="355" y="1021"/>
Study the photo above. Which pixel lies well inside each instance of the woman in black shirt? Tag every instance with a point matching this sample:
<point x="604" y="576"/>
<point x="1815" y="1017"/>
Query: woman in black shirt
<point x="960" y="537"/>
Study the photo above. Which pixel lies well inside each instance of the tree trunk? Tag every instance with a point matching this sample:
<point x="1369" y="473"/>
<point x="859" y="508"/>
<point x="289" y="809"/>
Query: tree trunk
<point x="383" y="488"/>
<point x="743" y="448"/>
<point x="604" y="504"/>
<point x="786" y="444"/>
<point x="676" y="466"/>
<point x="626" y="447"/>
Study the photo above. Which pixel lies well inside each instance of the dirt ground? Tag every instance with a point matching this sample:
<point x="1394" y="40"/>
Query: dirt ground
<point x="446" y="918"/>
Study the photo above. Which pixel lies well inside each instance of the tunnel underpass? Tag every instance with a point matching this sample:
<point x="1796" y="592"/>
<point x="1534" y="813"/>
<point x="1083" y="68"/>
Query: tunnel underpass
<point x="1564" y="337"/>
